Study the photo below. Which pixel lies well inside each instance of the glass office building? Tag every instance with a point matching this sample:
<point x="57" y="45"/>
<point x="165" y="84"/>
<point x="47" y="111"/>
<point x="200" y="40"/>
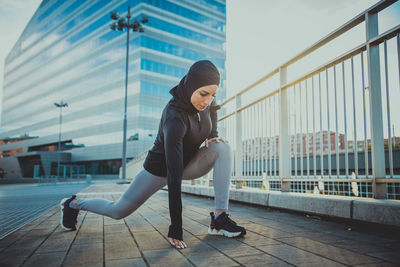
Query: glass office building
<point x="68" y="52"/>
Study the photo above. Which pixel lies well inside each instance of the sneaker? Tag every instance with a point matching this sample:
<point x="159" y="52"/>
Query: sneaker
<point x="68" y="215"/>
<point x="224" y="226"/>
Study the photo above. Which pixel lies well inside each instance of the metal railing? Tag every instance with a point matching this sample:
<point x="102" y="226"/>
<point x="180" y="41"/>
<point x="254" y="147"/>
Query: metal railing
<point x="327" y="132"/>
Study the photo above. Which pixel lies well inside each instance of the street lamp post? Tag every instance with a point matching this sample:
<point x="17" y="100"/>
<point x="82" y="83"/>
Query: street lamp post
<point x="59" y="105"/>
<point x="121" y="24"/>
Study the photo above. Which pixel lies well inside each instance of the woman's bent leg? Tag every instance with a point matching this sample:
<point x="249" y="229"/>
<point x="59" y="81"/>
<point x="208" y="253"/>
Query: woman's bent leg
<point x="219" y="156"/>
<point x="142" y="187"/>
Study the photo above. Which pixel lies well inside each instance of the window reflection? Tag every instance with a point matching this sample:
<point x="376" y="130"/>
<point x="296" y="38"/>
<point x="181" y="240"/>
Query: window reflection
<point x="155" y="89"/>
<point x="83" y="62"/>
<point x="187" y="13"/>
<point x="178" y="30"/>
<point x="63" y="45"/>
<point x="61" y="31"/>
<point x="213" y="5"/>
<point x="162" y="68"/>
<point x="179" y="51"/>
<point x="49" y="10"/>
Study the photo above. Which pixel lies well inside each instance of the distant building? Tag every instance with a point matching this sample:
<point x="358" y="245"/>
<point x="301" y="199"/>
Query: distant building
<point x="68" y="52"/>
<point x="311" y="143"/>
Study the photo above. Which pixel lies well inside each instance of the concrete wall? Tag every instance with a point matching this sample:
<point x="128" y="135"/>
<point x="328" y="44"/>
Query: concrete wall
<point x="369" y="210"/>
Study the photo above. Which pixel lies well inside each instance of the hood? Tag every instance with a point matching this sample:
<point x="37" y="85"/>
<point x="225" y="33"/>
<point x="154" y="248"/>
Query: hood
<point x="201" y="73"/>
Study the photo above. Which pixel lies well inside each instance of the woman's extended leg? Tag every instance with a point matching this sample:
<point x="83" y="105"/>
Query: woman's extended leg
<point x="143" y="186"/>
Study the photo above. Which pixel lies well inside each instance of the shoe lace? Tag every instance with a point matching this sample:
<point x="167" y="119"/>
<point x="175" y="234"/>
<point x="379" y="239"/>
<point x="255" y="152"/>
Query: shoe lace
<point x="229" y="220"/>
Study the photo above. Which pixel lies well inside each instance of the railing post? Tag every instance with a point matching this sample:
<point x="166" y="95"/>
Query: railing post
<point x="284" y="141"/>
<point x="239" y="143"/>
<point x="374" y="77"/>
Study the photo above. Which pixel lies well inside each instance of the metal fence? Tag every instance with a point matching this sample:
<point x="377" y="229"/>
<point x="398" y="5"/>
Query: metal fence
<point x="329" y="131"/>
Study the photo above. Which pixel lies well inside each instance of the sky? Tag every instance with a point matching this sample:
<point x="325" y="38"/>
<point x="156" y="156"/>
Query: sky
<point x="261" y="34"/>
<point x="14" y="15"/>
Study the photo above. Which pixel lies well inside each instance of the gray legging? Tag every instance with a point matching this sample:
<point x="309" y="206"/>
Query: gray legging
<point x="145" y="184"/>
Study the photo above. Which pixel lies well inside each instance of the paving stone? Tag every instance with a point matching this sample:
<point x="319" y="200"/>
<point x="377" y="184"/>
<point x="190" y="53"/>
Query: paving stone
<point x="390" y="256"/>
<point x="137" y="262"/>
<point x="88" y="238"/>
<point x="266" y="231"/>
<point x="198" y="247"/>
<point x="194" y="227"/>
<point x="120" y="248"/>
<point x="55" y="244"/>
<point x="221" y="242"/>
<point x="297" y="256"/>
<point x="381" y="264"/>
<point x="11" y="238"/>
<point x="359" y="247"/>
<point x="141" y="228"/>
<point x="242" y="250"/>
<point x="85" y="255"/>
<point x="338" y="254"/>
<point x="45" y="259"/>
<point x="14" y="256"/>
<point x="324" y="237"/>
<point x="165" y="257"/>
<point x="115" y="229"/>
<point x="137" y="223"/>
<point x="261" y="261"/>
<point x="256" y="240"/>
<point x="216" y="260"/>
<point x="111" y="221"/>
<point x="151" y="240"/>
<point x="278" y="226"/>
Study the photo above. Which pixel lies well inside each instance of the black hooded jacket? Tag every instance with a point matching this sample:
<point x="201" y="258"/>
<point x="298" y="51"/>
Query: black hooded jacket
<point x="181" y="131"/>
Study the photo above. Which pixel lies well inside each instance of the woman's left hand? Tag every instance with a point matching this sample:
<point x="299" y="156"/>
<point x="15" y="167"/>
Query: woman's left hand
<point x="177" y="243"/>
<point x="215" y="139"/>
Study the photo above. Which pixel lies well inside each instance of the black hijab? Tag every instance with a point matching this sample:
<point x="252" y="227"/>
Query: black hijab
<point x="201" y="73"/>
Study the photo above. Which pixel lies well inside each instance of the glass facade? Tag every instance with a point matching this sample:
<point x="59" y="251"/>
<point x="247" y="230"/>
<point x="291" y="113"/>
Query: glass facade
<point x="68" y="52"/>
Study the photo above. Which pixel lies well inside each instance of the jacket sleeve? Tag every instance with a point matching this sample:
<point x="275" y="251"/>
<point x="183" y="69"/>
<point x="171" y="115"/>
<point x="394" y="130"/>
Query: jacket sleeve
<point x="214" y="118"/>
<point x="174" y="130"/>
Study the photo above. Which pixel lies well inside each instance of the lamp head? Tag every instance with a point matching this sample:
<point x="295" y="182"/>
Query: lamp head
<point x="135" y="25"/>
<point x="114" y="26"/>
<point x="115" y="15"/>
<point x="144" y="19"/>
<point x="121" y="24"/>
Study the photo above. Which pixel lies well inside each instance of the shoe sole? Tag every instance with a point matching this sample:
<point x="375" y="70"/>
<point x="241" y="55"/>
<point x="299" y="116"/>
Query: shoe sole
<point x="223" y="232"/>
<point x="62" y="215"/>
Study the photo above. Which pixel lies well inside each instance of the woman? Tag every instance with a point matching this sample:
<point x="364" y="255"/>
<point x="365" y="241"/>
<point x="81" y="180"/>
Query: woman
<point x="188" y="120"/>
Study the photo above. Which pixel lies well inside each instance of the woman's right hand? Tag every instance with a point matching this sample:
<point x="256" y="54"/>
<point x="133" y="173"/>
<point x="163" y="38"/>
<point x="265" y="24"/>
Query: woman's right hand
<point x="215" y="139"/>
<point x="177" y="243"/>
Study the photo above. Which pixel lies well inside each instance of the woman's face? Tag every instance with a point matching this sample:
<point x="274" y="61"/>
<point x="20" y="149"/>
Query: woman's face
<point x="203" y="97"/>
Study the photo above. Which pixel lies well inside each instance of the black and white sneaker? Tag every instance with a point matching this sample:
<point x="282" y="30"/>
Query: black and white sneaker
<point x="68" y="215"/>
<point x="224" y="226"/>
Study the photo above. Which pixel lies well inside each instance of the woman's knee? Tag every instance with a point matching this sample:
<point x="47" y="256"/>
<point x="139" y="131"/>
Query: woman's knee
<point x="221" y="147"/>
<point x="119" y="215"/>
<point x="121" y="211"/>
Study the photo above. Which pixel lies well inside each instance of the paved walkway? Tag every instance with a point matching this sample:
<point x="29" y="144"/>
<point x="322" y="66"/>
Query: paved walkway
<point x="274" y="238"/>
<point x="20" y="203"/>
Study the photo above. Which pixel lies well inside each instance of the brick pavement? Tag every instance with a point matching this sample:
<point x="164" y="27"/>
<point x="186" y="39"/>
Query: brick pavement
<point x="274" y="238"/>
